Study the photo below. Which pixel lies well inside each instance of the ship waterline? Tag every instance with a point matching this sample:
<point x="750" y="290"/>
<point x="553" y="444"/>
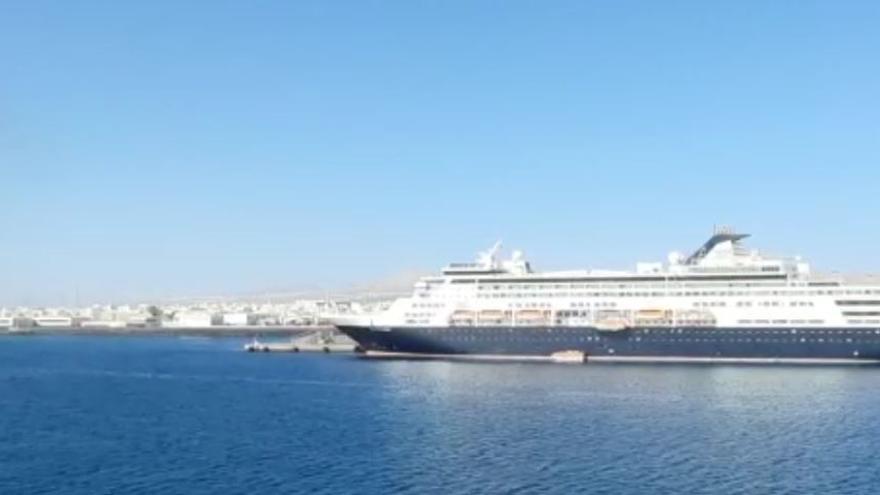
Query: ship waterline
<point x="721" y="304"/>
<point x="692" y="344"/>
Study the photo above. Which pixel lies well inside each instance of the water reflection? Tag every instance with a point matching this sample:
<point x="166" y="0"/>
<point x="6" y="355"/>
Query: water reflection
<point x="637" y="427"/>
<point x="104" y="415"/>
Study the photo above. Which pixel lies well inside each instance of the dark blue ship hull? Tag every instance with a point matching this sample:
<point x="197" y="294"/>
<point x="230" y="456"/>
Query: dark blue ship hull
<point x="694" y="344"/>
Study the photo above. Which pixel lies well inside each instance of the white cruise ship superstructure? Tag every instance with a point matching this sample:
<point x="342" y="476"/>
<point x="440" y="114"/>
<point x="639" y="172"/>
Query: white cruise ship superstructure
<point x="723" y="303"/>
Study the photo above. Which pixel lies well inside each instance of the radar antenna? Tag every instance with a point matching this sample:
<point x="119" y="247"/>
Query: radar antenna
<point x="490" y="258"/>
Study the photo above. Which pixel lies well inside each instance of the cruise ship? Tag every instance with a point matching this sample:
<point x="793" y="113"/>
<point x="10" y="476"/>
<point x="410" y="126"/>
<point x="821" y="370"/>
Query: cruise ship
<point x="724" y="303"/>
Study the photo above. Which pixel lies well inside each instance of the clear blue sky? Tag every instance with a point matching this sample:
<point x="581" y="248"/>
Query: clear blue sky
<point x="167" y="148"/>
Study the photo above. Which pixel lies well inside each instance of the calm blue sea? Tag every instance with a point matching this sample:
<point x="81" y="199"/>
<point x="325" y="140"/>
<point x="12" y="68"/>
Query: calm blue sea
<point x="116" y="415"/>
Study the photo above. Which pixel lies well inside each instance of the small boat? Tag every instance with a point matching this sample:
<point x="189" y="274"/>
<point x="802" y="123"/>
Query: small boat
<point x="611" y="325"/>
<point x="573" y="357"/>
<point x="256" y="346"/>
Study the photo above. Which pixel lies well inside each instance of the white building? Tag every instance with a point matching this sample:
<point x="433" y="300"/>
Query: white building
<point x="190" y="319"/>
<point x="236" y="319"/>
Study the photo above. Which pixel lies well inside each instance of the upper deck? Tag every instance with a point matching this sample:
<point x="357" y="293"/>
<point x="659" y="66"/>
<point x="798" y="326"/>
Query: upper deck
<point x="722" y="282"/>
<point x="722" y="258"/>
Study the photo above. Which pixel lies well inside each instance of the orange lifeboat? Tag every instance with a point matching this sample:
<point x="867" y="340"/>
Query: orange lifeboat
<point x="531" y="316"/>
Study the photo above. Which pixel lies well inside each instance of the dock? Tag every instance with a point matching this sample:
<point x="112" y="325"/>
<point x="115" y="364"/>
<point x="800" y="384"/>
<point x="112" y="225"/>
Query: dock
<point x="323" y="341"/>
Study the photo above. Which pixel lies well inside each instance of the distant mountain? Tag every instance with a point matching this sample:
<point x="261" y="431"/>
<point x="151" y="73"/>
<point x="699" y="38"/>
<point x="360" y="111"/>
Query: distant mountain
<point x="395" y="285"/>
<point x="401" y="282"/>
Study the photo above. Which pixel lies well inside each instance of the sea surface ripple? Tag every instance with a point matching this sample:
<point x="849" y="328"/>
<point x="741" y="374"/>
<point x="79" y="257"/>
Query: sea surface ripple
<point x="164" y="415"/>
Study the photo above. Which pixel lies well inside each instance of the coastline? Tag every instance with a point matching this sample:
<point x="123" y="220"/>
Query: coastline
<point x="230" y="331"/>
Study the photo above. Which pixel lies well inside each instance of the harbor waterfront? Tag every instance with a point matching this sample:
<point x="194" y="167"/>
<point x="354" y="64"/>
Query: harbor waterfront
<point x="230" y="315"/>
<point x="214" y="331"/>
<point x="84" y="415"/>
<point x="439" y="248"/>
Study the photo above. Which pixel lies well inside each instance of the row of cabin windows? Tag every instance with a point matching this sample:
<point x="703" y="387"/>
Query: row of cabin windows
<point x="774" y="303"/>
<point x="675" y="293"/>
<point x="515" y="295"/>
<point x="707" y="304"/>
<point x="666" y="293"/>
<point x="561" y="317"/>
<point x="529" y="305"/>
<point x="599" y="304"/>
<point x="418" y="315"/>
<point x="780" y="322"/>
<point x="698" y="304"/>
<point x="748" y="304"/>
<point x="790" y="340"/>
<point x="716" y="333"/>
<point x="681" y="291"/>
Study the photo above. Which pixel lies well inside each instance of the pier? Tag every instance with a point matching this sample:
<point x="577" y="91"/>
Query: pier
<point x="325" y="341"/>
